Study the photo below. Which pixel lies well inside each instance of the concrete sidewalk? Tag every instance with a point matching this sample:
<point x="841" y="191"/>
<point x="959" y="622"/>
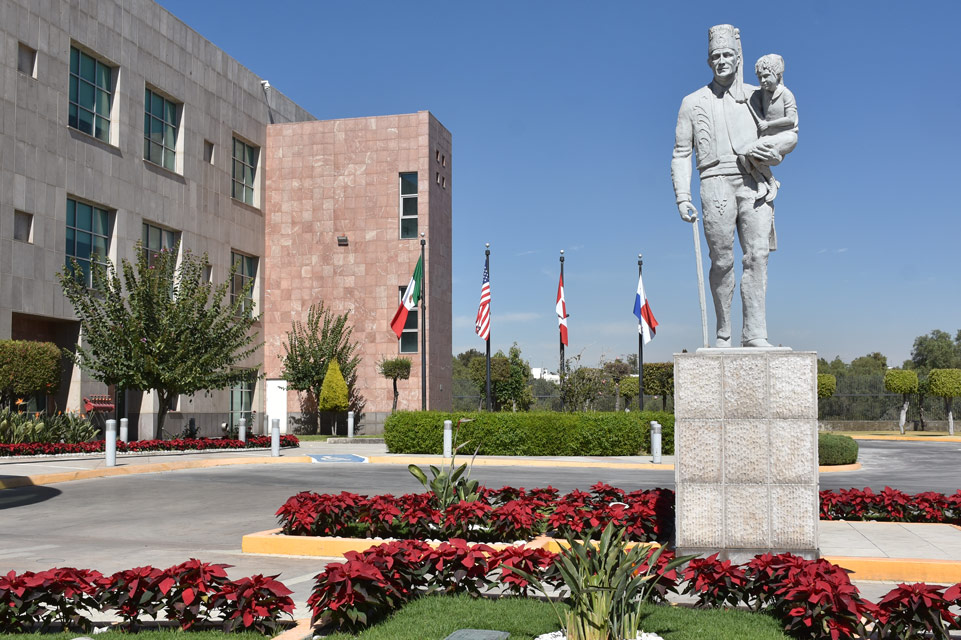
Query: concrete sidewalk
<point x="888" y="552"/>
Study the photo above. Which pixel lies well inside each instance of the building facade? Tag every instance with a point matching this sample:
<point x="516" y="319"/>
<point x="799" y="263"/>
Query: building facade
<point x="347" y="202"/>
<point x="121" y="124"/>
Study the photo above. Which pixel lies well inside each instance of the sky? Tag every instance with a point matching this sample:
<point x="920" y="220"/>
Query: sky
<point x="562" y="115"/>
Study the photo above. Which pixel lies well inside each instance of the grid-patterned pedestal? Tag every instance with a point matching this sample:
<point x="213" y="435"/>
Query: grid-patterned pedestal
<point x="745" y="440"/>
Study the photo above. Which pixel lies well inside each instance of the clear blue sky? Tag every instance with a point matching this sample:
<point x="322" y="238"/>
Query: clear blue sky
<point x="563" y="113"/>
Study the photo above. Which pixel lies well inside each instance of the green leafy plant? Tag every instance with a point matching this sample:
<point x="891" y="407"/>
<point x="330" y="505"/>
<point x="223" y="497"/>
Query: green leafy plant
<point x="905" y="382"/>
<point x="450" y="484"/>
<point x="395" y="369"/>
<point x="28" y="367"/>
<point x="946" y="383"/>
<point x="827" y="385"/>
<point x="310" y="348"/>
<point x="605" y="580"/>
<point x="836" y="449"/>
<point x="160" y="325"/>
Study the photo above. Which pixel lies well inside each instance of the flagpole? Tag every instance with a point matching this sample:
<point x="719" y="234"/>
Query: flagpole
<point x="487" y="267"/>
<point x="560" y="338"/>
<point x="640" y="350"/>
<point x="423" y="325"/>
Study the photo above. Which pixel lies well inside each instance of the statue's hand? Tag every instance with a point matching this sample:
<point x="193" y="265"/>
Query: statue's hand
<point x="687" y="210"/>
<point x="762" y="125"/>
<point x="765" y="152"/>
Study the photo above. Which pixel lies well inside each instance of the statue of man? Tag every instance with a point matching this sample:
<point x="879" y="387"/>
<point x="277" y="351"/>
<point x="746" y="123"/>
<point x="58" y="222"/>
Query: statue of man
<point x="718" y="124"/>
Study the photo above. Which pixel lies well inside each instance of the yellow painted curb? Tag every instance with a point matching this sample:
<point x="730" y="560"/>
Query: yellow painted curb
<point x="900" y="569"/>
<point x="155" y="467"/>
<point x="272" y="542"/>
<point x="911" y="438"/>
<point x="303" y="630"/>
<point x="514" y="462"/>
<point x="828" y="468"/>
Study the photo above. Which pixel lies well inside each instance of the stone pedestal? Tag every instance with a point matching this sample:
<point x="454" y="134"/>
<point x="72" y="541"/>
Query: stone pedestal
<point x="745" y="440"/>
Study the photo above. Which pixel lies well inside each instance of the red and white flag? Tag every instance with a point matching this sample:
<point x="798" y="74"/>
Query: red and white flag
<point x="646" y="324"/>
<point x="482" y="327"/>
<point x="561" y="309"/>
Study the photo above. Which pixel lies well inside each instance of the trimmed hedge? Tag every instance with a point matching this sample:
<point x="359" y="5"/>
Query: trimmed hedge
<point x="827" y="385"/>
<point x="836" y="449"/>
<point x="28" y="367"/>
<point x="540" y="433"/>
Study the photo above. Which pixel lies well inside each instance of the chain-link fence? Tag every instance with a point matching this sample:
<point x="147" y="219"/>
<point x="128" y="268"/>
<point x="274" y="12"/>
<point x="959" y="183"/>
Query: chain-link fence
<point x="864" y="398"/>
<point x="553" y="403"/>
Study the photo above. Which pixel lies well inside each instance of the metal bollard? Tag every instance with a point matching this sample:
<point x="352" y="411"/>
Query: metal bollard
<point x="242" y="429"/>
<point x="350" y="424"/>
<point x="275" y="438"/>
<point x="124" y="432"/>
<point x="448" y="439"/>
<point x="656" y="442"/>
<point x="110" y="446"/>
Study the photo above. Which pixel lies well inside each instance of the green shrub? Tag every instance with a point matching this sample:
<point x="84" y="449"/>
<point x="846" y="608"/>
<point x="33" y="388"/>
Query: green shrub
<point x="827" y="385"/>
<point x="540" y="433"/>
<point x="836" y="449"/>
<point x="333" y="392"/>
<point x="28" y="367"/>
<point x="945" y="383"/>
<point x="903" y="381"/>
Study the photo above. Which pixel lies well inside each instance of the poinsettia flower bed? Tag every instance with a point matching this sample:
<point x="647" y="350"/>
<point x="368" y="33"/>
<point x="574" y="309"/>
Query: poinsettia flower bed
<point x="499" y="515"/>
<point x="891" y="505"/>
<point x="179" y="444"/>
<point x="192" y="593"/>
<point x="813" y="599"/>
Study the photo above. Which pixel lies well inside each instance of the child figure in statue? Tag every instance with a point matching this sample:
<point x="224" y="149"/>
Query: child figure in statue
<point x="775" y="110"/>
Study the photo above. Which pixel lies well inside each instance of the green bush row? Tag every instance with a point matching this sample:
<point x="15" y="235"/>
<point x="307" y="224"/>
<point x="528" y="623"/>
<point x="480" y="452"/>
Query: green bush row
<point x="836" y="449"/>
<point x="28" y="367"/>
<point x="540" y="433"/>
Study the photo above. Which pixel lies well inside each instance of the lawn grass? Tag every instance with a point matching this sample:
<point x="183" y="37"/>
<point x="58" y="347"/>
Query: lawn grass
<point x="436" y="617"/>
<point x="143" y="634"/>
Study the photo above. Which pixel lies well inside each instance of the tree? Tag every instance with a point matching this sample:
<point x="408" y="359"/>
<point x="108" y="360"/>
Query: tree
<point x="936" y="350"/>
<point x="827" y="385"/>
<point x="946" y="383"/>
<point x="159" y="326"/>
<point x="904" y="382"/>
<point x="617" y="370"/>
<point x="395" y="369"/>
<point x="311" y="347"/>
<point x="27" y="367"/>
<point x="872" y="364"/>
<point x="500" y="371"/>
<point x="516" y="388"/>
<point x="580" y="385"/>
<point x="659" y="381"/>
<point x="628" y="389"/>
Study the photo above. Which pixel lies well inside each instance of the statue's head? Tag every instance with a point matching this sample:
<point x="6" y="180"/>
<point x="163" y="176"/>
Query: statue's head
<point x="770" y="70"/>
<point x="723" y="52"/>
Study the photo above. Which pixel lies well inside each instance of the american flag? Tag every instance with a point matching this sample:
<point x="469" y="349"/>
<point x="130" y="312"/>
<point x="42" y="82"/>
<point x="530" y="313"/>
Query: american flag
<point x="483" y="325"/>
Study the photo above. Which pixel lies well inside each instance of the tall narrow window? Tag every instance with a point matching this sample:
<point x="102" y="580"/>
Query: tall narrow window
<point x="408" y="205"/>
<point x="241" y="402"/>
<point x="88" y="237"/>
<point x="408" y="337"/>
<point x="157" y="239"/>
<point x="160" y="130"/>
<point x="90" y="95"/>
<point x="245" y="273"/>
<point x="245" y="169"/>
<point x="23" y="226"/>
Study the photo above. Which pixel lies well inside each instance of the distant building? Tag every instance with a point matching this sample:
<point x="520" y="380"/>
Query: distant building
<point x="538" y="373"/>
<point x="120" y="123"/>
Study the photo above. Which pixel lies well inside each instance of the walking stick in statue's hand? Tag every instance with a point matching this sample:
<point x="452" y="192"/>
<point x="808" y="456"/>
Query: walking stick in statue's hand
<point x="700" y="274"/>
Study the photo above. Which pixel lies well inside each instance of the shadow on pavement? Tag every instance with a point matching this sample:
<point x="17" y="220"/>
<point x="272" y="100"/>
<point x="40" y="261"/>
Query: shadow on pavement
<point x="22" y="496"/>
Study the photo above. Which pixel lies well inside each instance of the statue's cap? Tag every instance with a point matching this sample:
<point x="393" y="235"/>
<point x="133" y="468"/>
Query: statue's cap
<point x="723" y="36"/>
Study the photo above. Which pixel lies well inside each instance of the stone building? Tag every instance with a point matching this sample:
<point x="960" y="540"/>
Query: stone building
<point x="120" y="123"/>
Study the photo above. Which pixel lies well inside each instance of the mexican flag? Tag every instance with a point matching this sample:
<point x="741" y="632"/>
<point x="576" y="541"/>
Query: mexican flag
<point x="411" y="297"/>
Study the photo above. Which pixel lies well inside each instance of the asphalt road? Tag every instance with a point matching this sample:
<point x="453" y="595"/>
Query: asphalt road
<point x="165" y="518"/>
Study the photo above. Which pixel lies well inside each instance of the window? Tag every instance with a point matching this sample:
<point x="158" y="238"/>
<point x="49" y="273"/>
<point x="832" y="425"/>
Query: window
<point x="157" y="239"/>
<point x="90" y="95"/>
<point x="88" y="237"/>
<point x="408" y="337"/>
<point x="208" y="152"/>
<point x="246" y="271"/>
<point x="22" y="226"/>
<point x="245" y="168"/>
<point x="408" y="205"/>
<point x="27" y="60"/>
<point x="160" y="130"/>
<point x="241" y="402"/>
